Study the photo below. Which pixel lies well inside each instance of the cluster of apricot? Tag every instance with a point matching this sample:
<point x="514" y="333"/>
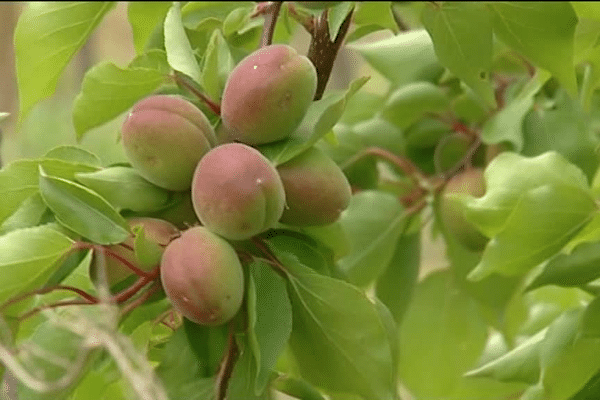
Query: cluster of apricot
<point x="236" y="192"/>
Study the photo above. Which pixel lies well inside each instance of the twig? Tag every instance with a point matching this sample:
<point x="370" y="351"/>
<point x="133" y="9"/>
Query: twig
<point x="323" y="51"/>
<point x="226" y="365"/>
<point x="141" y="300"/>
<point x="33" y="311"/>
<point x="181" y="80"/>
<point x="270" y="10"/>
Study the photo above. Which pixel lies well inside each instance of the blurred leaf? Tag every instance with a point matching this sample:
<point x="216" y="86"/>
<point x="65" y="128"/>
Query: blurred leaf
<point x="195" y="12"/>
<point x="74" y="154"/>
<point x="108" y="90"/>
<point x="271" y="321"/>
<point x="402" y="58"/>
<point x="542" y="32"/>
<point x="216" y="66"/>
<point x="82" y="210"/>
<point x="374" y="15"/>
<point x="590" y="320"/>
<point x="320" y="118"/>
<point x="336" y="16"/>
<point x="395" y="286"/>
<point x="591" y="389"/>
<point x="297" y="388"/>
<point x="443" y="325"/>
<point x="47" y="36"/>
<point x="575" y="269"/>
<point x="373" y="222"/>
<point x="143" y="18"/>
<point x="338" y="338"/>
<point x="124" y="188"/>
<point x="506" y="184"/>
<point x="179" y="51"/>
<point x="542" y="222"/>
<point x="507" y="124"/>
<point x="242" y="383"/>
<point x="462" y="38"/>
<point x="29" y="214"/>
<point x="27" y="257"/>
<point x="411" y="102"/>
<point x="520" y="364"/>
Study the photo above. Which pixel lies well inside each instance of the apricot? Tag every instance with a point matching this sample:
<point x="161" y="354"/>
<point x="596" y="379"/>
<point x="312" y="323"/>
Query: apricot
<point x="316" y="189"/>
<point x="202" y="277"/>
<point x="237" y="192"/>
<point x="164" y="137"/>
<point x="472" y="182"/>
<point x="267" y="94"/>
<point x="156" y="230"/>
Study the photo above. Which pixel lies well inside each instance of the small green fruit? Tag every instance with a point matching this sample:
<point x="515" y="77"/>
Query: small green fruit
<point x="203" y="277"/>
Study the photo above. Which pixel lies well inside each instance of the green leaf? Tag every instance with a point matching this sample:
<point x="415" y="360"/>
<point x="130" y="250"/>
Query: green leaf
<point x="506" y="184"/>
<point x="195" y="12"/>
<point x="590" y="320"/>
<point x="29" y="214"/>
<point x="82" y="210"/>
<point x="74" y="154"/>
<point x="575" y="269"/>
<point x="298" y="249"/>
<point x="403" y="58"/>
<point x="411" y="102"/>
<point x="27" y="257"/>
<point x="143" y="18"/>
<point x="521" y="364"/>
<point x="373" y="15"/>
<point x="179" y="51"/>
<point x="542" y="222"/>
<point x="373" y="223"/>
<point x="441" y="336"/>
<point x="216" y="66"/>
<point x="124" y="188"/>
<point x="507" y="124"/>
<point x="271" y="319"/>
<point x="108" y="90"/>
<point x="147" y="252"/>
<point x="336" y="16"/>
<point x="320" y="118"/>
<point x="47" y="36"/>
<point x="395" y="286"/>
<point x="542" y="32"/>
<point x="462" y="38"/>
<point x="297" y="388"/>
<point x="591" y="389"/>
<point x="242" y="385"/>
<point x="338" y="338"/>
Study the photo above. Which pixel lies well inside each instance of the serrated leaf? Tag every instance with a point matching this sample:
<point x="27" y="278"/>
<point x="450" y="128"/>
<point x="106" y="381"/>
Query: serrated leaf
<point x="402" y="58"/>
<point x="74" y="154"/>
<point x="179" y="51"/>
<point x="338" y="338"/>
<point x="143" y="18"/>
<point x="108" y="91"/>
<point x="47" y="36"/>
<point x="542" y="32"/>
<point x="373" y="223"/>
<point x="28" y="257"/>
<point x="82" y="210"/>
<point x="320" y="118"/>
<point x="462" y="38"/>
<point x="542" y="222"/>
<point x="441" y="324"/>
<point x="272" y="317"/>
<point x="124" y="188"/>
<point x="216" y="66"/>
<point x="507" y="124"/>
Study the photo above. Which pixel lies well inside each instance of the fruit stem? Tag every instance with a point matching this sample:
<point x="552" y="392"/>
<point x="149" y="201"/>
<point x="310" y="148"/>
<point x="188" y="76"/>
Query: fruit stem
<point x="184" y="81"/>
<point x="323" y="51"/>
<point x="270" y="10"/>
<point x="226" y="368"/>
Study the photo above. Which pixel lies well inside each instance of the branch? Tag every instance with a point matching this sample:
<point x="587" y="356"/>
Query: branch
<point x="270" y="10"/>
<point x="227" y="365"/>
<point x="185" y="82"/>
<point x="323" y="51"/>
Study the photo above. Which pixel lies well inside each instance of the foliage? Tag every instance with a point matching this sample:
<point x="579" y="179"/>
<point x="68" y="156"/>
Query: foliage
<point x="345" y="310"/>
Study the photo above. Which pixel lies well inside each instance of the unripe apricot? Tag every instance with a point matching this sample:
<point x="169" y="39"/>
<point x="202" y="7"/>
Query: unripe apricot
<point x="470" y="182"/>
<point x="316" y="189"/>
<point x="267" y="94"/>
<point x="236" y="192"/>
<point x="164" y="137"/>
<point x="156" y="230"/>
<point x="202" y="277"/>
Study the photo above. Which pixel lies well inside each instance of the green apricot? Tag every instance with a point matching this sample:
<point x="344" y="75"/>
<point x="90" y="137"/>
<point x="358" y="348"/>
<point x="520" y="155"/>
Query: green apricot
<point x="470" y="182"/>
<point x="202" y="277"/>
<point x="164" y="137"/>
<point x="316" y="189"/>
<point x="266" y="95"/>
<point x="237" y="192"/>
<point x="156" y="230"/>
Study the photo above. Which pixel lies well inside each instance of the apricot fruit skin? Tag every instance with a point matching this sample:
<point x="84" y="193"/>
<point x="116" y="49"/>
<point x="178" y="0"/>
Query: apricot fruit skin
<point x="164" y="137"/>
<point x="156" y="230"/>
<point x="470" y="182"/>
<point x="266" y="95"/>
<point x="316" y="189"/>
<point x="237" y="192"/>
<point x="203" y="277"/>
